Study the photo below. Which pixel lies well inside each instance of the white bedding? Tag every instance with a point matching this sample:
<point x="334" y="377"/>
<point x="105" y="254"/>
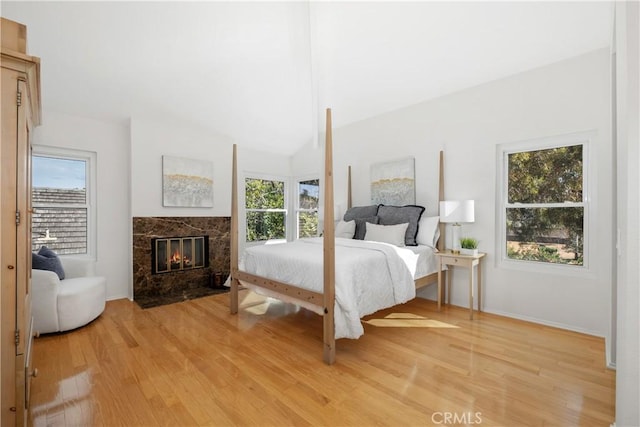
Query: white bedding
<point x="369" y="275"/>
<point x="427" y="262"/>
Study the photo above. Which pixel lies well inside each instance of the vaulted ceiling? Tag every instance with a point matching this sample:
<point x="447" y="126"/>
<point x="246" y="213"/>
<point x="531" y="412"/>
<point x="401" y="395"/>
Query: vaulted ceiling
<point x="263" y="72"/>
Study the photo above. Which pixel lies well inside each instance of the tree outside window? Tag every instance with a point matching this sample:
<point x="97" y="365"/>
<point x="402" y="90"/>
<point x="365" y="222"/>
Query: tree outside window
<point x="265" y="209"/>
<point x="545" y="211"/>
<point x="308" y="197"/>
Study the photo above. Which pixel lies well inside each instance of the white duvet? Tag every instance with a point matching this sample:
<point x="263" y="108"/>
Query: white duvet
<point x="369" y="275"/>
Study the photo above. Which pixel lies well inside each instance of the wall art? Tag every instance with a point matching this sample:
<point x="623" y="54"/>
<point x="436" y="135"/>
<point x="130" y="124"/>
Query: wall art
<point x="393" y="182"/>
<point x="187" y="182"/>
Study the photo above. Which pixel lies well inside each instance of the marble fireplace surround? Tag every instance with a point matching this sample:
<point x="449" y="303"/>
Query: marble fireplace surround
<point x="156" y="289"/>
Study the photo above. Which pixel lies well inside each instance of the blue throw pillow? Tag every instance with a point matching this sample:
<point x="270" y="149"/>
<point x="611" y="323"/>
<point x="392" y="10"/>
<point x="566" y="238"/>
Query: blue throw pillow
<point x="46" y="259"/>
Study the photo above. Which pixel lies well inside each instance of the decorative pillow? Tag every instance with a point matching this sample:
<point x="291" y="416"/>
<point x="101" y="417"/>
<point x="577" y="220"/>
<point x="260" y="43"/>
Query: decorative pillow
<point x="362" y="215"/>
<point x="428" y="231"/>
<point x="46" y="259"/>
<point x="360" y="212"/>
<point x="393" y="234"/>
<point x="346" y="229"/>
<point x="361" y="226"/>
<point x="391" y="215"/>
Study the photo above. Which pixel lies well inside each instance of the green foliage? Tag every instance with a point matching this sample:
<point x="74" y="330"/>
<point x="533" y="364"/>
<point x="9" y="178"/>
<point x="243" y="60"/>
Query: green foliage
<point x="468" y="243"/>
<point x="308" y="224"/>
<point x="308" y="194"/>
<point x="308" y="198"/>
<point x="269" y="222"/>
<point x="542" y="253"/>
<point x="264" y="194"/>
<point x="266" y="210"/>
<point x="546" y="176"/>
<point x="265" y="226"/>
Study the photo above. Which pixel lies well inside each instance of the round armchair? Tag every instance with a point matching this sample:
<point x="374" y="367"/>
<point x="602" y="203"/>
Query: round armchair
<point x="62" y="305"/>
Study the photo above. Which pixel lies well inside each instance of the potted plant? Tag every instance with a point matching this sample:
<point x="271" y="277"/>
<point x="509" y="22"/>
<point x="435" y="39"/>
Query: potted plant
<point x="469" y="246"/>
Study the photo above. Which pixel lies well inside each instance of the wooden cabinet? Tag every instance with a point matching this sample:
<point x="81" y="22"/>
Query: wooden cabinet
<point x="20" y="113"/>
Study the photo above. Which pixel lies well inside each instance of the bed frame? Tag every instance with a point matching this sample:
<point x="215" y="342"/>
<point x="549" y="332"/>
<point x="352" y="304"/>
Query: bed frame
<point x="325" y="300"/>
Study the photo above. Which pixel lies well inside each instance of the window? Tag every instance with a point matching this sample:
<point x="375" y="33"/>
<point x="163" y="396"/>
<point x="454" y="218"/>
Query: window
<point x="307" y="208"/>
<point x="63" y="217"/>
<point x="544" y="210"/>
<point x="265" y="208"/>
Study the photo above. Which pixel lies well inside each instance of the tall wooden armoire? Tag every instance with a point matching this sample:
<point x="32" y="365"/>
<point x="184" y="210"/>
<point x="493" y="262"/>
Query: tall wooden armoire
<point x="20" y="92"/>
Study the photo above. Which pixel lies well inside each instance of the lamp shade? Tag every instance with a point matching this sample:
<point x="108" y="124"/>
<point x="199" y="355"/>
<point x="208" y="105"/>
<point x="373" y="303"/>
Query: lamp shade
<point x="457" y="211"/>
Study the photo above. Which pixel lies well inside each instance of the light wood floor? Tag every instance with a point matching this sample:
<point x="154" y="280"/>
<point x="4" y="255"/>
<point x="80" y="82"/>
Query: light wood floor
<point x="193" y="363"/>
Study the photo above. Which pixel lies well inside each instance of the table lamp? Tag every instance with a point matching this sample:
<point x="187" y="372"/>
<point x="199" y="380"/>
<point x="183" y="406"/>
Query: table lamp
<point x="456" y="212"/>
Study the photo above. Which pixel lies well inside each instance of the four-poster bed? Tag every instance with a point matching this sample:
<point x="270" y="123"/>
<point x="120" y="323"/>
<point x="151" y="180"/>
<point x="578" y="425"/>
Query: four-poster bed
<point x="322" y="298"/>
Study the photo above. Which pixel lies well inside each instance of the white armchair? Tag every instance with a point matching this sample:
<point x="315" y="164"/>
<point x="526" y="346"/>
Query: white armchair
<point x="62" y="305"/>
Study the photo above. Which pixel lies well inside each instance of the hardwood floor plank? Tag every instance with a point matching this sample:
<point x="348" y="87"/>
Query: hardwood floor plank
<point x="193" y="363"/>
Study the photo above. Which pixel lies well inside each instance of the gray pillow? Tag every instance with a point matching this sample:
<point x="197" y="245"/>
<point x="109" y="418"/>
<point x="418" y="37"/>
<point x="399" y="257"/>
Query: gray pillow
<point x="362" y="215"/>
<point x="359" y="212"/>
<point x="46" y="259"/>
<point x="392" y="215"/>
<point x="361" y="226"/>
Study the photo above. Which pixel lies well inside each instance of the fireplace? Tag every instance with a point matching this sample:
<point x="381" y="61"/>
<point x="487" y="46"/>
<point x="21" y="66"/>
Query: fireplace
<point x="172" y="254"/>
<point x="154" y="286"/>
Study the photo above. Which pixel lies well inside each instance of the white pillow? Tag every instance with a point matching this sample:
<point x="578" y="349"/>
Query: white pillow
<point x="346" y="229"/>
<point x="393" y="234"/>
<point x="428" y="231"/>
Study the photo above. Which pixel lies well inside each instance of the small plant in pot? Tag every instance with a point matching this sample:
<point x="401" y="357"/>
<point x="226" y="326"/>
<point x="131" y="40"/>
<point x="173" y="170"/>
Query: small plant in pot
<point x="468" y="246"/>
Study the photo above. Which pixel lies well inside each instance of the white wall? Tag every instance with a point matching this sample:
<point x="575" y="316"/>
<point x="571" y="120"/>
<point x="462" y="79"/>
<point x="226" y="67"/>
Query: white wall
<point x="129" y="177"/>
<point x="151" y="139"/>
<point x="570" y="96"/>
<point x="628" y="296"/>
<point x="110" y="142"/>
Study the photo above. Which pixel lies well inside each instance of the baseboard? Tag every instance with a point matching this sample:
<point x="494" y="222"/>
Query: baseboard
<point x="531" y="319"/>
<point x="546" y="323"/>
<point x="113" y="298"/>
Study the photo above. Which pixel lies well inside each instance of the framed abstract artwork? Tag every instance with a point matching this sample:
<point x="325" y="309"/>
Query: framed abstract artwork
<point x="187" y="182"/>
<point x="393" y="182"/>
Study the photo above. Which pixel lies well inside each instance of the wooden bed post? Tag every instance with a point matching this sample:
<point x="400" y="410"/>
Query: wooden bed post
<point x="441" y="241"/>
<point x="234" y="233"/>
<point x="349" y="188"/>
<point x="329" y="353"/>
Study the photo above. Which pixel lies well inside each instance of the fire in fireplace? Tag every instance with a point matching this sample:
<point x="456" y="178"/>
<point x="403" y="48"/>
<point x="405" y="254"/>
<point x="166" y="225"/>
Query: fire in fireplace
<point x="170" y="254"/>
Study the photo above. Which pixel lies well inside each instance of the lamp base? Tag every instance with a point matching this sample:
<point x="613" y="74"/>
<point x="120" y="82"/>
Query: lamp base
<point x="455" y="244"/>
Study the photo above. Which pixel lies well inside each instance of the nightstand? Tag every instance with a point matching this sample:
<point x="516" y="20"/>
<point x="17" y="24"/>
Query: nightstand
<point x="458" y="260"/>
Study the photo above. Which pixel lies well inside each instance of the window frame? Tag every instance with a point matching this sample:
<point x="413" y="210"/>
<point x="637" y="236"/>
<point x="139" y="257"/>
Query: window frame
<point x="296" y="207"/>
<point x="243" y="203"/>
<point x="90" y="159"/>
<point x="502" y="204"/>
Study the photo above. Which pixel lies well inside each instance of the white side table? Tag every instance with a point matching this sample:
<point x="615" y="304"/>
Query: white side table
<point x="468" y="261"/>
